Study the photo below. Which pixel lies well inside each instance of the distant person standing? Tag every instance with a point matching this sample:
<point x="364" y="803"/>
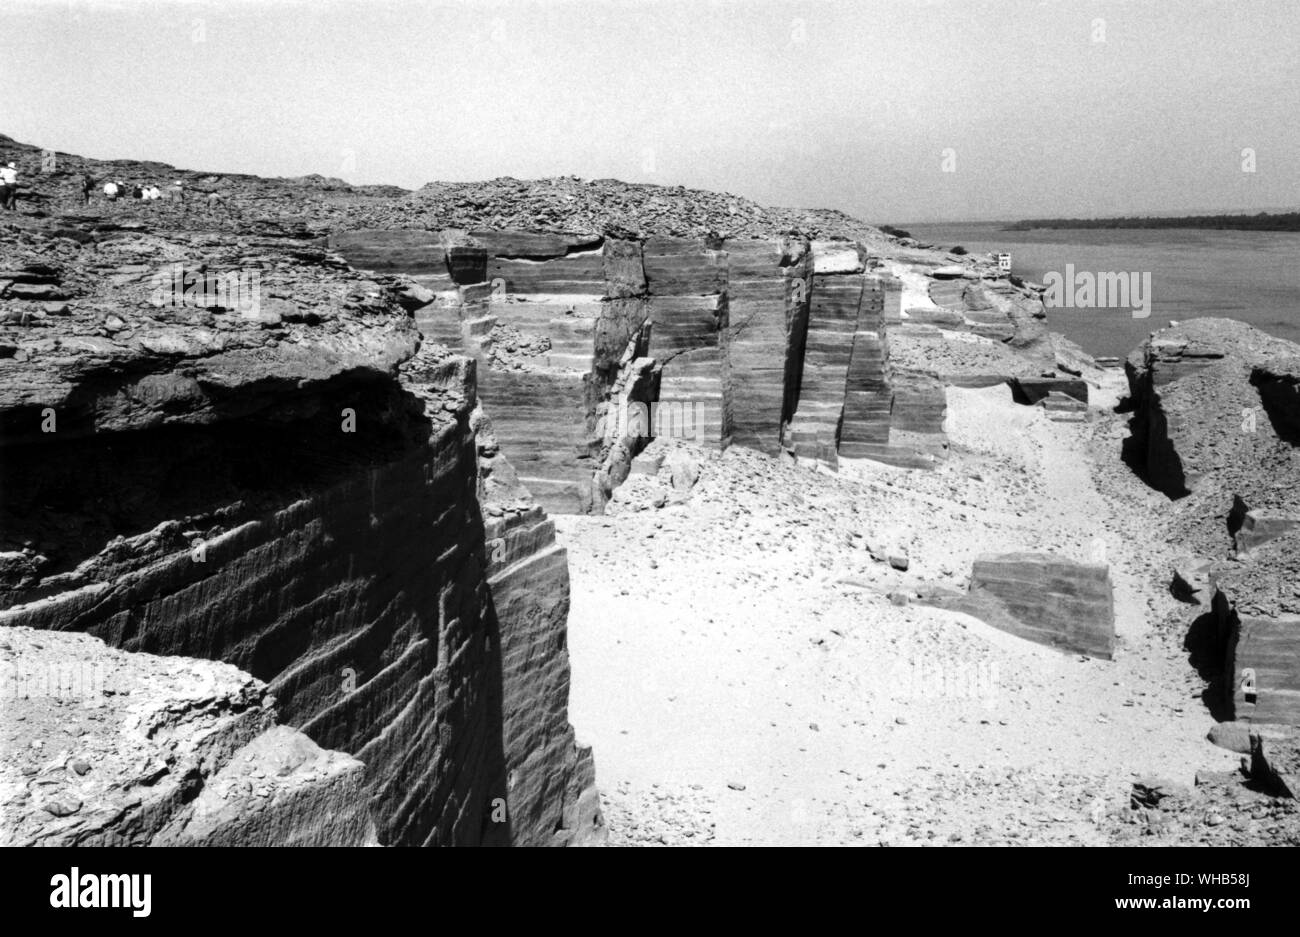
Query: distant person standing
<point x="177" y="191"/>
<point x="9" y="186"/>
<point x="87" y="186"/>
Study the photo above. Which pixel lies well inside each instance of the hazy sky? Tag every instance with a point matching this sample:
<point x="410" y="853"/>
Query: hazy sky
<point x="1044" y="108"/>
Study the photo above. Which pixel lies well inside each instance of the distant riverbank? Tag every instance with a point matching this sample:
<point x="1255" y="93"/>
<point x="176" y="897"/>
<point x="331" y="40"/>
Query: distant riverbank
<point x="1246" y="275"/>
<point x="1262" y="221"/>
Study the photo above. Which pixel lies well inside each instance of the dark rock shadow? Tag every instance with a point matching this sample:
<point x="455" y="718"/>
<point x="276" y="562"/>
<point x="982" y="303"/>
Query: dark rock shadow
<point x="1205" y="652"/>
<point x="495" y="824"/>
<point x="1236" y="515"/>
<point x="1133" y="450"/>
<point x="345" y="609"/>
<point x="1281" y="401"/>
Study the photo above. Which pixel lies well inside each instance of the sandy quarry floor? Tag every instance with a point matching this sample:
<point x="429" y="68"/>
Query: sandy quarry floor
<point x="744" y="678"/>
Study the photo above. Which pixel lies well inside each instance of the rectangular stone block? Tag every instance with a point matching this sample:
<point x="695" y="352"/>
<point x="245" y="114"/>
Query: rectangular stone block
<point x="574" y="274"/>
<point x="1042" y="598"/>
<point x="392" y="251"/>
<point x="1263" y="669"/>
<point x="683" y="267"/>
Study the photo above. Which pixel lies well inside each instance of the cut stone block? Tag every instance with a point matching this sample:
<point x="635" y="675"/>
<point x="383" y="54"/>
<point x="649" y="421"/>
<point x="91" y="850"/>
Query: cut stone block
<point x="1042" y="598"/>
<point x="1263" y="666"/>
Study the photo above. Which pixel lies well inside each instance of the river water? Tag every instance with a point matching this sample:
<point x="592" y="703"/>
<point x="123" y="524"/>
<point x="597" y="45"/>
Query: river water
<point x="1253" y="276"/>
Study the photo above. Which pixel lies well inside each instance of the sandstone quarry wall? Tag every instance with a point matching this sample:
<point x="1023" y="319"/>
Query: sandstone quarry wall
<point x="308" y="498"/>
<point x="772" y="344"/>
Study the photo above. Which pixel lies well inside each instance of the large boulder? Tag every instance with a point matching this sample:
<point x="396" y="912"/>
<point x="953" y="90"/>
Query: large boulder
<point x="106" y="747"/>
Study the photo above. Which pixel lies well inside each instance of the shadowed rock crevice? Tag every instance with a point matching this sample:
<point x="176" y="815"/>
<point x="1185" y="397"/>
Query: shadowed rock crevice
<point x="1279" y="395"/>
<point x="1205" y="646"/>
<point x="68" y="496"/>
<point x="344" y="568"/>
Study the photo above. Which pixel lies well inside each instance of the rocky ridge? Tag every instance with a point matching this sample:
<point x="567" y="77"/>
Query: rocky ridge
<point x="611" y="292"/>
<point x="564" y="204"/>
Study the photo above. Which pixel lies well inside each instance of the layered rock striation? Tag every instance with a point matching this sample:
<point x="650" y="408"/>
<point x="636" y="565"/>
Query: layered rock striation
<point x="589" y="346"/>
<point x="1042" y="598"/>
<point x="232" y="447"/>
<point x="223" y="441"/>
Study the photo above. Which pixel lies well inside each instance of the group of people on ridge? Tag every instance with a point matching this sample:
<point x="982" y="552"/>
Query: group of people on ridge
<point x="112" y="190"/>
<point x="115" y="190"/>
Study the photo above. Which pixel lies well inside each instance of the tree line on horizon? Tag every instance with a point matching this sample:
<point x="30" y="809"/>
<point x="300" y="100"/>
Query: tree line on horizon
<point x="1285" y="221"/>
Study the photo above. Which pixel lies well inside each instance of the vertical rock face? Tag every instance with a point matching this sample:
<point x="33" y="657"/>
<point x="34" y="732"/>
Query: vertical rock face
<point x="1257" y="609"/>
<point x="776" y="343"/>
<point x="550" y="779"/>
<point x="920" y="404"/>
<point x="767" y="286"/>
<point x="689" y="340"/>
<point x="868" y="394"/>
<point x="1264" y="679"/>
<point x="847" y="397"/>
<point x="832" y="326"/>
<point x="310" y="499"/>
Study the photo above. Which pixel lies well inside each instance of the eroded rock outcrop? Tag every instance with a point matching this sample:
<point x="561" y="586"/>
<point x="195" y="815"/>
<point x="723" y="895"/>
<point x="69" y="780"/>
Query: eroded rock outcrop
<point x="1213" y="425"/>
<point x="1257" y="613"/>
<point x="1199" y="410"/>
<point x="293" y="485"/>
<point x="105" y="747"/>
<point x="973" y="327"/>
